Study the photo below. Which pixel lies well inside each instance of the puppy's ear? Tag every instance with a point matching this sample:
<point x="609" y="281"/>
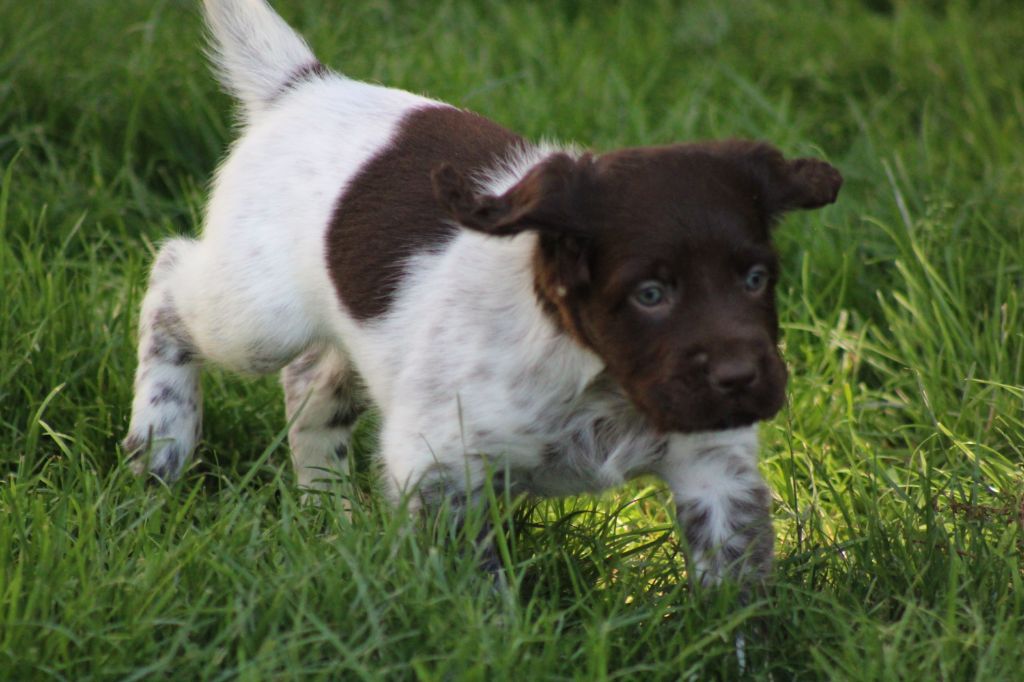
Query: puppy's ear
<point x="809" y="183"/>
<point x="543" y="200"/>
<point x="785" y="184"/>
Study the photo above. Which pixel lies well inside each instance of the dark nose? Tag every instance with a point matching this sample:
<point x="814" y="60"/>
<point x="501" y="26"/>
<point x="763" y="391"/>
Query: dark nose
<point x="733" y="375"/>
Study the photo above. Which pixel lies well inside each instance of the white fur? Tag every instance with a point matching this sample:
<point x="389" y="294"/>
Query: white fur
<point x="466" y="369"/>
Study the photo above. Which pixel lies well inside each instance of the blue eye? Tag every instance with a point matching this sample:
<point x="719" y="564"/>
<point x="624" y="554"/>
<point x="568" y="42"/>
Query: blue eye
<point x="650" y="294"/>
<point x="756" y="279"/>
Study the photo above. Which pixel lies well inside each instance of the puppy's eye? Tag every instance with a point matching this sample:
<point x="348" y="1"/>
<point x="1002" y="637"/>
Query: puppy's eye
<point x="650" y="294"/>
<point x="756" y="279"/>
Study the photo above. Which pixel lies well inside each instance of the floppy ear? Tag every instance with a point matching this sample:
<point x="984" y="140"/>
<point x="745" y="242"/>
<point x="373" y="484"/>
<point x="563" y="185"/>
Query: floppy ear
<point x="807" y="183"/>
<point x="543" y="200"/>
<point x="785" y="184"/>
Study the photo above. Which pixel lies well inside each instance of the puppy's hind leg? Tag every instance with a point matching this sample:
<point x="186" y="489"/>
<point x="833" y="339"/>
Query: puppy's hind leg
<point x="323" y="398"/>
<point x="167" y="409"/>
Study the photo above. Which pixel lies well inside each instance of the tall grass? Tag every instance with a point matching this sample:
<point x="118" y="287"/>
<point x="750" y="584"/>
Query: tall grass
<point x="896" y="466"/>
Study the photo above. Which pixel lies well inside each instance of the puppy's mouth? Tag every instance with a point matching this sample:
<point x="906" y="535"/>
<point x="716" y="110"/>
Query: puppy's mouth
<point x="695" y="424"/>
<point x="692" y="414"/>
<point x="737" y="420"/>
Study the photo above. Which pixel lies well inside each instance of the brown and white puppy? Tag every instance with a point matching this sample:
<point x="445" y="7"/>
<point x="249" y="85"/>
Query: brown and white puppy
<point x="567" y="319"/>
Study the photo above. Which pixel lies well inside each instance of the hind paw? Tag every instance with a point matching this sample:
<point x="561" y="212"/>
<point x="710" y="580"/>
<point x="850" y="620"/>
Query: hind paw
<point x="162" y="458"/>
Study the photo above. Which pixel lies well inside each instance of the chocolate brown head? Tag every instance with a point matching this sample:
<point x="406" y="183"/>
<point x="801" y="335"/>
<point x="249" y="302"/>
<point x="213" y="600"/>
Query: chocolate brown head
<point x="660" y="260"/>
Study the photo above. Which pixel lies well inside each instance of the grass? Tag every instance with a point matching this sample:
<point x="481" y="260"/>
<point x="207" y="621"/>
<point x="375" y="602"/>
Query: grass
<point x="896" y="466"/>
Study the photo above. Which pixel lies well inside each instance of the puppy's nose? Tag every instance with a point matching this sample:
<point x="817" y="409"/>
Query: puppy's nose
<point x="733" y="375"/>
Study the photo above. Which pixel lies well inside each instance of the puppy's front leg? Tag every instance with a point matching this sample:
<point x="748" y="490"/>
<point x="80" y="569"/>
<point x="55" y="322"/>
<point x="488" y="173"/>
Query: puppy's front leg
<point x="724" y="509"/>
<point x="722" y="503"/>
<point x="426" y="478"/>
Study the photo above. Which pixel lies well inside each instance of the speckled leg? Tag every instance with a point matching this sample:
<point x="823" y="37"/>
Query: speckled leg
<point x="723" y="506"/>
<point x="724" y="510"/>
<point x="167" y="409"/>
<point x="323" y="398"/>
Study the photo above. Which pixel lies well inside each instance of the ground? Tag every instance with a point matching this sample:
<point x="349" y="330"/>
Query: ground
<point x="896" y="465"/>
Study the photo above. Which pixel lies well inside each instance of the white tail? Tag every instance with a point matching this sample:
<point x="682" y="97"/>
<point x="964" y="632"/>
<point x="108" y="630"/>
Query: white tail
<point x="255" y="54"/>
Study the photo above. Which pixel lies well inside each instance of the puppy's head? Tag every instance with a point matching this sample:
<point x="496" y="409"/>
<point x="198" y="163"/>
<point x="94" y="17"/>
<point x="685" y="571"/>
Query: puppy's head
<point x="660" y="260"/>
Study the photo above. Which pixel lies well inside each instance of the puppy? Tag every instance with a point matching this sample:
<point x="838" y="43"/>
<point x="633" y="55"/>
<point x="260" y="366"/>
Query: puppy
<point x="569" y="320"/>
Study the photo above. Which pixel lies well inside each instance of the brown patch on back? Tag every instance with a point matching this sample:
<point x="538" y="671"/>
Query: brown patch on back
<point x="389" y="211"/>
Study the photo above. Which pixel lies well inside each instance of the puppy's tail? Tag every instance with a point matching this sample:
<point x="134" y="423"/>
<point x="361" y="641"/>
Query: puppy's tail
<point x="257" y="57"/>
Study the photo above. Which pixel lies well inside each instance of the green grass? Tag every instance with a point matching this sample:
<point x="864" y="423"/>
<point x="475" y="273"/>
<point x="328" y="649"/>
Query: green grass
<point x="896" y="466"/>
